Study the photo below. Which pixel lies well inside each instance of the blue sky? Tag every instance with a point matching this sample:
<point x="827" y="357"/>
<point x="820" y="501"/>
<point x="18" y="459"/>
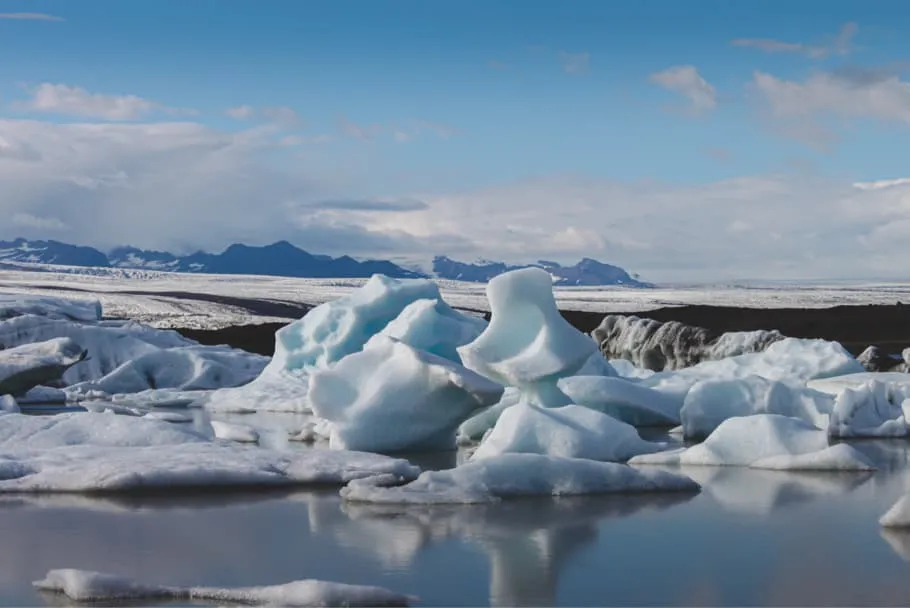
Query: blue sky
<point x="605" y="106"/>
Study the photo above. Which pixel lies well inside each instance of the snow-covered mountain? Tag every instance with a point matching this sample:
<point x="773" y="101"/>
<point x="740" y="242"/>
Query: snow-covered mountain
<point x="585" y="272"/>
<point x="277" y="259"/>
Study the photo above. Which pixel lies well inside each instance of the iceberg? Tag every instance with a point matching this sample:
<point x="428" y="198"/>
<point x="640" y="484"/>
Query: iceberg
<point x="836" y="384"/>
<point x="24" y="367"/>
<point x="627" y="401"/>
<point x="391" y="397"/>
<point x="231" y="431"/>
<point x="709" y="402"/>
<point x="477" y="425"/>
<point x="54" y="308"/>
<point x="85" y="452"/>
<point x="764" y="441"/>
<point x="571" y="431"/>
<point x="515" y="475"/>
<point x="8" y="405"/>
<point x="873" y="409"/>
<point x="97" y="587"/>
<point x="528" y="344"/>
<point x="898" y="516"/>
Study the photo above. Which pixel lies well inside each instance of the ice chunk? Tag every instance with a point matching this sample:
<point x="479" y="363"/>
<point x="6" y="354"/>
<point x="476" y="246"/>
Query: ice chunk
<point x="335" y="329"/>
<point x="95" y="587"/>
<point x="898" y="516"/>
<point x="513" y="475"/>
<point x="571" y="431"/>
<point x="756" y="440"/>
<point x="8" y="405"/>
<point x="873" y="409"/>
<point x="175" y="417"/>
<point x="391" y="397"/>
<point x="477" y="425"/>
<point x="55" y="308"/>
<point x="528" y="344"/>
<point x="710" y="402"/>
<point x="435" y="327"/>
<point x="597" y="365"/>
<point x="840" y="457"/>
<point x="232" y="431"/>
<point x="29" y="365"/>
<point x="91" y="453"/>
<point x="627" y="369"/>
<point x="624" y="400"/>
<point x="43" y="394"/>
<point x="836" y="384"/>
<point x="672" y="345"/>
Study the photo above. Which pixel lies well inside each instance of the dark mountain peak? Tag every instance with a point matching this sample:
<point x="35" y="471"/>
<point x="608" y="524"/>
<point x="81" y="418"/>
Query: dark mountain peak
<point x="587" y="272"/>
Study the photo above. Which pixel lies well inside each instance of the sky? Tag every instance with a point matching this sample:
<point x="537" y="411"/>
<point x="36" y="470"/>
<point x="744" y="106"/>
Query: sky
<point x="700" y="140"/>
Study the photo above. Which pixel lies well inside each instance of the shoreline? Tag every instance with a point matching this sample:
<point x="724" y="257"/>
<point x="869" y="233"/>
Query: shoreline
<point x="854" y="326"/>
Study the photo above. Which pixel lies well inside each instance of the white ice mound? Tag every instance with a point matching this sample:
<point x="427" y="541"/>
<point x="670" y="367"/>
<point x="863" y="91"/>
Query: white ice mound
<point x="710" y="402"/>
<point x="528" y="343"/>
<point x="435" y="327"/>
<point x="97" y="587"/>
<point x="55" y="308"/>
<point x="232" y="431"/>
<point x="338" y="328"/>
<point x="478" y="424"/>
<point x="29" y="365"/>
<point x="571" y="431"/>
<point x="86" y="452"/>
<point x="627" y="401"/>
<point x="391" y="397"/>
<point x="514" y="475"/>
<point x="836" y="384"/>
<point x="873" y="409"/>
<point x="764" y="441"/>
<point x="897" y="516"/>
<point x="8" y="405"/>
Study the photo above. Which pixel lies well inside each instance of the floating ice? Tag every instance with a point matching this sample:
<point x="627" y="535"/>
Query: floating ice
<point x="55" y="308"/>
<point x="93" y="453"/>
<point x="43" y="394"/>
<point x="8" y="405"/>
<point x="175" y="417"/>
<point x="86" y="586"/>
<point x="513" y="475"/>
<point x="898" y="516"/>
<point x="474" y="427"/>
<point x="672" y="345"/>
<point x="627" y="401"/>
<point x="29" y="365"/>
<point x="836" y="384"/>
<point x="873" y="409"/>
<point x="435" y="327"/>
<point x="710" y="402"/>
<point x="571" y="431"/>
<point x="528" y="344"/>
<point x="764" y="441"/>
<point x="232" y="431"/>
<point x="391" y="397"/>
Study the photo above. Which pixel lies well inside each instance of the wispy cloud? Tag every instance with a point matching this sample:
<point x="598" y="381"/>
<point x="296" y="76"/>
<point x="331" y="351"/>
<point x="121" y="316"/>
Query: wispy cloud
<point x="31" y="16"/>
<point x="369" y="205"/>
<point x="840" y="44"/>
<point x="241" y="112"/>
<point x="281" y="115"/>
<point x="575" y="63"/>
<point x="686" y="81"/>
<point x="75" y="101"/>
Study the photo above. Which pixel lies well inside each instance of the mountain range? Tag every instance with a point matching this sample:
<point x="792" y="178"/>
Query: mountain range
<point x="284" y="259"/>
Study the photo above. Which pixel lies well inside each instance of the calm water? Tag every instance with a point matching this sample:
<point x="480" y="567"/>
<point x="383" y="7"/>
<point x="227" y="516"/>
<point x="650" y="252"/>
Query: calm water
<point x="750" y="538"/>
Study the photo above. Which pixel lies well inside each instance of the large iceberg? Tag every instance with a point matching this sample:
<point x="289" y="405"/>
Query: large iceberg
<point x="710" y="402"/>
<point x="571" y="431"/>
<point x="391" y="397"/>
<point x="514" y="475"/>
<point x="528" y="344"/>
<point x="85" y="452"/>
<point x="29" y="365"/>
<point x="55" y="308"/>
<point x="873" y="409"/>
<point x="672" y="345"/>
<point x="764" y="441"/>
<point x="98" y="587"/>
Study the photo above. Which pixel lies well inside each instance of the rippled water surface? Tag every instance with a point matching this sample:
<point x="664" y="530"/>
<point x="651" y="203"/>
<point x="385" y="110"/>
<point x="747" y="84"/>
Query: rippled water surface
<point x="750" y="537"/>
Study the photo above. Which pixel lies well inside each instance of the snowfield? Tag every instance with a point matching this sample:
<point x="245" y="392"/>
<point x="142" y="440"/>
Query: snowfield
<point x="109" y="284"/>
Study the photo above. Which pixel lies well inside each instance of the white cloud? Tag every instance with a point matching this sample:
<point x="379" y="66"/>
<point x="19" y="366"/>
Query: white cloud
<point x="841" y="44"/>
<point x="281" y="115"/>
<point x="686" y="81"/>
<point x="30" y="16"/>
<point x="575" y="63"/>
<point x="43" y="224"/>
<point x="75" y="101"/>
<point x="241" y="112"/>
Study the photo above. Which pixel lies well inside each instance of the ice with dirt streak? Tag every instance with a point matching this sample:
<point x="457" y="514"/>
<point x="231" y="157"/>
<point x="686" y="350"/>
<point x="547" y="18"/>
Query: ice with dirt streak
<point x="516" y="475"/>
<point x="86" y="452"/>
<point x="99" y="587"/>
<point x="764" y="441"/>
<point x="571" y="431"/>
<point x="391" y="397"/>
